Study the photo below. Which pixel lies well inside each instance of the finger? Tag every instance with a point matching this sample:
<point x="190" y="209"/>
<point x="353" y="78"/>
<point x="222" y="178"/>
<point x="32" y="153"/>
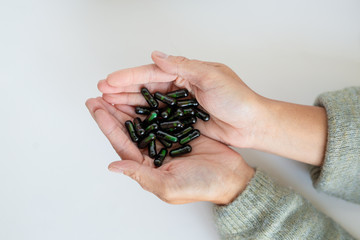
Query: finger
<point x="132" y="99"/>
<point x="139" y="75"/>
<point x="129" y="110"/>
<point x="104" y="87"/>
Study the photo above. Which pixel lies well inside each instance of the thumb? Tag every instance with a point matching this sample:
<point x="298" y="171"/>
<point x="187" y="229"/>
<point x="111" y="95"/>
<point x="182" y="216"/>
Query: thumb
<point x="149" y="178"/>
<point x="192" y="70"/>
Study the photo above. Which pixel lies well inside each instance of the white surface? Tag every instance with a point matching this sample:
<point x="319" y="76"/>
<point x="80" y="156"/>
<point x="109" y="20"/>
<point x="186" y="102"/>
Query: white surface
<point x="54" y="182"/>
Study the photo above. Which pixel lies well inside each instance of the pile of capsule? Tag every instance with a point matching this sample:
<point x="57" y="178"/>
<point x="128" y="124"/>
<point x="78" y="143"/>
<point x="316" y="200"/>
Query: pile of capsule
<point x="169" y="125"/>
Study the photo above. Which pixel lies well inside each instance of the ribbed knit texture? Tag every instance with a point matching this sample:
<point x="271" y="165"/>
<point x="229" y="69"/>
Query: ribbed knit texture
<point x="266" y="210"/>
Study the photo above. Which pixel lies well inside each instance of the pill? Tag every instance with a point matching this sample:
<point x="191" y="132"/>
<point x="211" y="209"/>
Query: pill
<point x="165" y="143"/>
<point x="151" y="117"/>
<point x="166" y="136"/>
<point x="152" y="149"/>
<point x="171" y="124"/>
<point x="188" y="121"/>
<point x="180" y="151"/>
<point x="191" y="136"/>
<point x="187" y="103"/>
<point x="130" y="127"/>
<point x="188" y="112"/>
<point x="178" y="93"/>
<point x="149" y="98"/>
<point x="166" y="113"/>
<point x="143" y="143"/>
<point x="178" y="113"/>
<point x="142" y="110"/>
<point x="184" y="132"/>
<point x="138" y="128"/>
<point x="151" y="127"/>
<point x="160" y="157"/>
<point x="202" y="115"/>
<point x="165" y="99"/>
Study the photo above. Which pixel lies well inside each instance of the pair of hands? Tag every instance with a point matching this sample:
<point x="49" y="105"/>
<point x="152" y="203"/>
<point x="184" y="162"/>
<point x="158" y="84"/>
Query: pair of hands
<point x="212" y="171"/>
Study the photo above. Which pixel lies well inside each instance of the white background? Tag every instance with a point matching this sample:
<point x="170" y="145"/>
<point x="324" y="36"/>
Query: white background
<point x="54" y="182"/>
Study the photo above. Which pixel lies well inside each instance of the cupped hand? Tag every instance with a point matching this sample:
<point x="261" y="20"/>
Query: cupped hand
<point x="233" y="106"/>
<point x="211" y="172"/>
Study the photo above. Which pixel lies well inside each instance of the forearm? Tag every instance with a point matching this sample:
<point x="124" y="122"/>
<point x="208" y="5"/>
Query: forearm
<point x="293" y="131"/>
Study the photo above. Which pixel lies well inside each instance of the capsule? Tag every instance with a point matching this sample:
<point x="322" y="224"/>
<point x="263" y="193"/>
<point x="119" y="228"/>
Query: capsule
<point x="166" y="136"/>
<point x="178" y="93"/>
<point x="165" y="99"/>
<point x="138" y="128"/>
<point x="188" y="112"/>
<point x="130" y="127"/>
<point x="171" y="124"/>
<point x="149" y="98"/>
<point x="178" y="113"/>
<point x="151" y="127"/>
<point x="152" y="149"/>
<point x="165" y="143"/>
<point x="187" y="103"/>
<point x="143" y="143"/>
<point x="142" y="110"/>
<point x="184" y="132"/>
<point x="166" y="113"/>
<point x="202" y="115"/>
<point x="160" y="157"/>
<point x="188" y="121"/>
<point x="152" y="116"/>
<point x="191" y="136"/>
<point x="180" y="151"/>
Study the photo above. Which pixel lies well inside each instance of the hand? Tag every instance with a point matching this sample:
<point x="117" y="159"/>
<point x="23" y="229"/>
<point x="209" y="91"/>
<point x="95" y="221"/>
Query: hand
<point x="211" y="172"/>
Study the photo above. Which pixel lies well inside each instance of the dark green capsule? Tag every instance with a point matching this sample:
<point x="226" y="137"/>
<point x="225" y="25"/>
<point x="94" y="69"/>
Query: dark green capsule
<point x="178" y="113"/>
<point x="184" y="132"/>
<point x="180" y="151"/>
<point x="149" y="98"/>
<point x="191" y="136"/>
<point x="202" y="115"/>
<point x="187" y="103"/>
<point x="188" y="121"/>
<point x="138" y="128"/>
<point x="178" y="93"/>
<point x="188" y="112"/>
<point x="166" y="113"/>
<point x="165" y="143"/>
<point x="166" y="136"/>
<point x="143" y="143"/>
<point x="130" y="127"/>
<point x="152" y="116"/>
<point x="151" y="128"/>
<point x="142" y="110"/>
<point x="160" y="157"/>
<point x="165" y="99"/>
<point x="152" y="149"/>
<point x="171" y="124"/>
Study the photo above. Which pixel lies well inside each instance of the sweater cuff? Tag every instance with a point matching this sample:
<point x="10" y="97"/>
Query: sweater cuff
<point x="340" y="174"/>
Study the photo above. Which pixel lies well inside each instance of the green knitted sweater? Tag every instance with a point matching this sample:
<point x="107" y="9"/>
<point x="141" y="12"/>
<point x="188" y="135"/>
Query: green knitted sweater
<point x="265" y="210"/>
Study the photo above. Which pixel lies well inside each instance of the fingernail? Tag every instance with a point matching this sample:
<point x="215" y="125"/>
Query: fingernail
<point x="159" y="54"/>
<point x="116" y="170"/>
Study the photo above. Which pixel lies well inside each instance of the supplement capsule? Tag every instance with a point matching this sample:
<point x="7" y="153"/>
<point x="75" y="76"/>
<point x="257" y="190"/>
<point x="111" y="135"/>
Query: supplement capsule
<point x="138" y="128"/>
<point x="172" y="124"/>
<point x="187" y="103"/>
<point x="165" y="99"/>
<point x="166" y="113"/>
<point x="188" y="121"/>
<point x="143" y="143"/>
<point x="152" y="149"/>
<point x="188" y="112"/>
<point x="202" y="115"/>
<point x="142" y="110"/>
<point x="152" y="116"/>
<point x="130" y="127"/>
<point x="178" y="113"/>
<point x="178" y="93"/>
<point x="191" y="136"/>
<point x="150" y="128"/>
<point x="165" y="143"/>
<point x="184" y="132"/>
<point x="180" y="151"/>
<point x="160" y="157"/>
<point x="166" y="136"/>
<point x="149" y="98"/>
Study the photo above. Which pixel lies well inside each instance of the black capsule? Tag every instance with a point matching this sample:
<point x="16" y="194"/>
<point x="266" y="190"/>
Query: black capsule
<point x="151" y="127"/>
<point x="149" y="98"/>
<point x="191" y="136"/>
<point x="184" y="132"/>
<point x="142" y="110"/>
<point x="188" y="112"/>
<point x="143" y="143"/>
<point x="202" y="115"/>
<point x="151" y="117"/>
<point x="130" y="127"/>
<point x="166" y="136"/>
<point x="178" y="93"/>
<point x="165" y="143"/>
<point x="178" y="113"/>
<point x="166" y="113"/>
<point x="188" y="121"/>
<point x="138" y="128"/>
<point x="160" y="157"/>
<point x="165" y="99"/>
<point x="180" y="151"/>
<point x="187" y="103"/>
<point x="171" y="124"/>
<point x="152" y="149"/>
